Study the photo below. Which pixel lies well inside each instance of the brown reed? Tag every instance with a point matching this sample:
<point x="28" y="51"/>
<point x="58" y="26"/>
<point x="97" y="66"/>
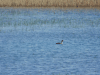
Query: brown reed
<point x="50" y="3"/>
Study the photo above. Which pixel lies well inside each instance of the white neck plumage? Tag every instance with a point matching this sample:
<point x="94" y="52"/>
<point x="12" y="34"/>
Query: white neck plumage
<point x="62" y="42"/>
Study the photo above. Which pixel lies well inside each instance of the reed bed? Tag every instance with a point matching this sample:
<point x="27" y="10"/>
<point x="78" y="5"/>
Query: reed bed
<point x="49" y="3"/>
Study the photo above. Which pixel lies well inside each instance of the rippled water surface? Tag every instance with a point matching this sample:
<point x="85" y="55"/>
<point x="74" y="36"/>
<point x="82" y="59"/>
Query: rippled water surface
<point x="28" y="40"/>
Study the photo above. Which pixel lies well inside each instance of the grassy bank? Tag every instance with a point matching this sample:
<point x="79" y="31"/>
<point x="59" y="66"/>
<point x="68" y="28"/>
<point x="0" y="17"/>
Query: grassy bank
<point x="49" y="3"/>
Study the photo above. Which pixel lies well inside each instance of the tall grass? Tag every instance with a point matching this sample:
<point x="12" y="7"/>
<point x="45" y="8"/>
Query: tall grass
<point x="50" y="3"/>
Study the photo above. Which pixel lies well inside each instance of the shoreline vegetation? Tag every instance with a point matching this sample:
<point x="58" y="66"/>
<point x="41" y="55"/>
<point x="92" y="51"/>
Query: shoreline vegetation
<point x="49" y="3"/>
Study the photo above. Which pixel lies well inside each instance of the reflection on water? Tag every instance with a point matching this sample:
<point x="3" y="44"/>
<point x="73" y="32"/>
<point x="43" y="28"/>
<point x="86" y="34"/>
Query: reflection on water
<point x="29" y="19"/>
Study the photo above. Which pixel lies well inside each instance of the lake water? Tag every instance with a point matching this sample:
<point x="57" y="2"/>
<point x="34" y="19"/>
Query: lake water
<point x="28" y="40"/>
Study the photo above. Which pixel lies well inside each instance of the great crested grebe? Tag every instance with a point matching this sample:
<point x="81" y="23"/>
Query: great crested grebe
<point x="60" y="43"/>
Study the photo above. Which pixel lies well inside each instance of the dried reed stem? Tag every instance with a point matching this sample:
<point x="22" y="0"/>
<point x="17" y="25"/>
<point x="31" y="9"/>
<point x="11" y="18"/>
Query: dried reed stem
<point x="50" y="3"/>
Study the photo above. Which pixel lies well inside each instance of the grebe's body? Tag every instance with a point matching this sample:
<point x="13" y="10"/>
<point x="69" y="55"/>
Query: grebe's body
<point x="60" y="43"/>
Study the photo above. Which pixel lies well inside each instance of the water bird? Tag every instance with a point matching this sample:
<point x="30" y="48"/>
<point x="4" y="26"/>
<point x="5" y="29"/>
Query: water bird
<point x="60" y="43"/>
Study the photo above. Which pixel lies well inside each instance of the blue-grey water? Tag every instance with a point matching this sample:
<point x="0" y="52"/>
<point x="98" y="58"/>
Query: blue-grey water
<point x="28" y="38"/>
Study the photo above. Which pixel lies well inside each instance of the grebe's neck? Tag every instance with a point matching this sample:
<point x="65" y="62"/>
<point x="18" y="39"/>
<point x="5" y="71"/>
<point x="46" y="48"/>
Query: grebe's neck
<point x="61" y="42"/>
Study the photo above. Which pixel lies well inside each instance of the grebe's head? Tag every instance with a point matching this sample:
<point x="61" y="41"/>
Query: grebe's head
<point x="62" y="41"/>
